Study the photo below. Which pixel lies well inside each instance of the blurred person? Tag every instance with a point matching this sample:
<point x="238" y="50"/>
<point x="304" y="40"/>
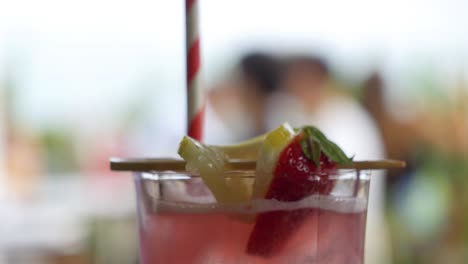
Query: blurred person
<point x="23" y="161"/>
<point x="397" y="145"/>
<point x="308" y="97"/>
<point x="235" y="109"/>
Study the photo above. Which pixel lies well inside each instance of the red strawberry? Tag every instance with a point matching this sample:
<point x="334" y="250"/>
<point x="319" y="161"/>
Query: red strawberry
<point x="295" y="177"/>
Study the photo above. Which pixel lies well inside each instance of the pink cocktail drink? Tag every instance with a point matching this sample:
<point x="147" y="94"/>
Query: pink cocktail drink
<point x="181" y="222"/>
<point x="289" y="196"/>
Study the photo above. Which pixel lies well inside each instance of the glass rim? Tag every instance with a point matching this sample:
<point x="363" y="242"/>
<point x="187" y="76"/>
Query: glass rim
<point x="340" y="174"/>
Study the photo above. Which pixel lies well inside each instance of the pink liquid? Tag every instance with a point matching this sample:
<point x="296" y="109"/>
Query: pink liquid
<point x="325" y="236"/>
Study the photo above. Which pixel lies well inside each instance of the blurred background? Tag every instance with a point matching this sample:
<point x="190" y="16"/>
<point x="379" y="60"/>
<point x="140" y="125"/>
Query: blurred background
<point x="81" y="81"/>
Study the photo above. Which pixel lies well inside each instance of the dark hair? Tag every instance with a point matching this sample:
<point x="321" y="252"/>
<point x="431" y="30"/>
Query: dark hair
<point x="263" y="70"/>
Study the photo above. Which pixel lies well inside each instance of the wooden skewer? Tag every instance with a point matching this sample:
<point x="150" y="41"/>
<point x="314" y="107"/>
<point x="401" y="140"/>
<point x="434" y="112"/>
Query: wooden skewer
<point x="139" y="165"/>
<point x="375" y="165"/>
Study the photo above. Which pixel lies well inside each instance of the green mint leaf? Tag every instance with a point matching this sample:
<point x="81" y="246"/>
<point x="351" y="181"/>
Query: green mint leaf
<point x="337" y="155"/>
<point x="311" y="147"/>
<point x="315" y="142"/>
<point x="315" y="147"/>
<point x="316" y="150"/>
<point x="306" y="149"/>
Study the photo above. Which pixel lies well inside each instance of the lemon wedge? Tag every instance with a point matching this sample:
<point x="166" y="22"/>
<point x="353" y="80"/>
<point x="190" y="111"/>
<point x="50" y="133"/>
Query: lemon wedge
<point x="268" y="156"/>
<point x="245" y="150"/>
<point x="211" y="164"/>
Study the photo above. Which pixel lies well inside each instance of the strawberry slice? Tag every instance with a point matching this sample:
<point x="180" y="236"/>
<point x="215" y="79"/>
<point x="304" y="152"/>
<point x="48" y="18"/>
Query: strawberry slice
<point x="302" y="169"/>
<point x="296" y="177"/>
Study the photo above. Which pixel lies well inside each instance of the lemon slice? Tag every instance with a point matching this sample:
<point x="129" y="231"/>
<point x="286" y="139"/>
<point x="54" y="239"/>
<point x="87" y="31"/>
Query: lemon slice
<point x="211" y="164"/>
<point x="268" y="156"/>
<point x="246" y="150"/>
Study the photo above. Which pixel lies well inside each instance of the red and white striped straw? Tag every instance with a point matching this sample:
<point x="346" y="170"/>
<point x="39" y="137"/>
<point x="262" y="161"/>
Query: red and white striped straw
<point x="195" y="104"/>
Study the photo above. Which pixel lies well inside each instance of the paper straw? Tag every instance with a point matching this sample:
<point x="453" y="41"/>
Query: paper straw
<point x="195" y="105"/>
